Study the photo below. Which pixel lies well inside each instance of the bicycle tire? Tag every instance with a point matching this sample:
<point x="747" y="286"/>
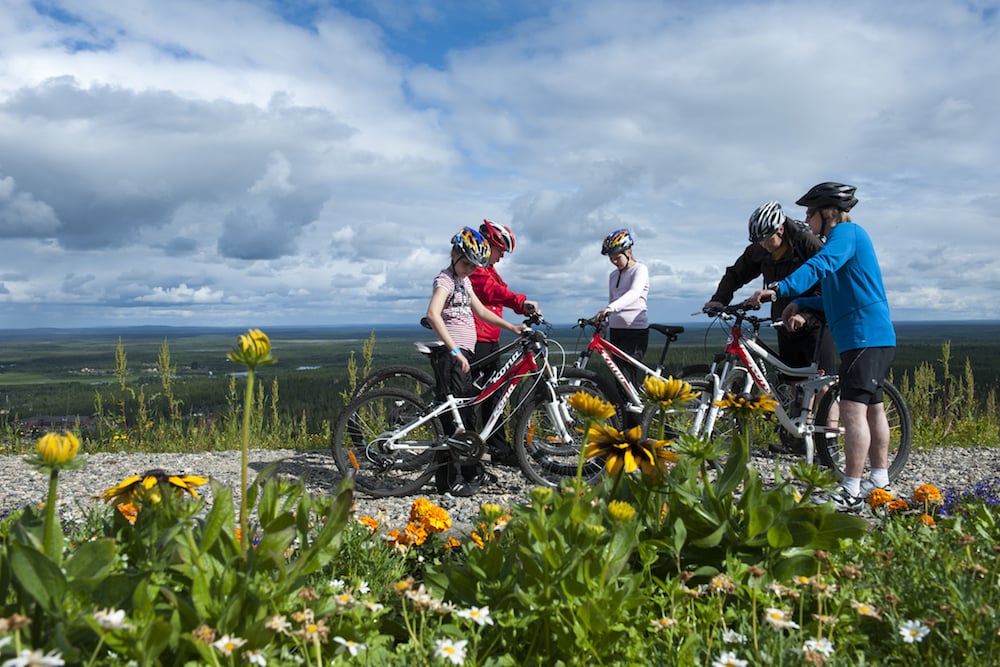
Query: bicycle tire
<point x="830" y="446"/>
<point x="358" y="437"/>
<point x="544" y="458"/>
<point x="409" y="378"/>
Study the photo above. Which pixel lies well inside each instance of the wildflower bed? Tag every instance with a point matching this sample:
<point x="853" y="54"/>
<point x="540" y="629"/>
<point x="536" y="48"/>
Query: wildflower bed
<point x="682" y="556"/>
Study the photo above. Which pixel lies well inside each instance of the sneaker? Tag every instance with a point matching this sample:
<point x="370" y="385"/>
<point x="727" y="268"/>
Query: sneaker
<point x="845" y="502"/>
<point x="867" y="486"/>
<point x="463" y="489"/>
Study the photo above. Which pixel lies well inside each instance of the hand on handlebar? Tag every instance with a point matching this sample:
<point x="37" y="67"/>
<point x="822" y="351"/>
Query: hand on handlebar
<point x="762" y="295"/>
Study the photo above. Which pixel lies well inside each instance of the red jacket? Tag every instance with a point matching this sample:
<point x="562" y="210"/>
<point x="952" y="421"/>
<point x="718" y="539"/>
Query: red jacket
<point x="494" y="294"/>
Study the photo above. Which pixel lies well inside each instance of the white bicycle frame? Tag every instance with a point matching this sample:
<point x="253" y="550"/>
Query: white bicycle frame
<point x="526" y="365"/>
<point x="741" y="356"/>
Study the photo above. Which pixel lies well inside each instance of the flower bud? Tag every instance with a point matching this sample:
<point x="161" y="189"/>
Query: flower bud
<point x="58" y="449"/>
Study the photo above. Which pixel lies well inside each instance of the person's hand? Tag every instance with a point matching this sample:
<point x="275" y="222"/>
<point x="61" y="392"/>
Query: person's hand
<point x="790" y="313"/>
<point x="531" y="307"/>
<point x="518" y="328"/>
<point x="760" y="296"/>
<point x="795" y="322"/>
<point x="709" y="305"/>
<point x="601" y="314"/>
<point x="462" y="361"/>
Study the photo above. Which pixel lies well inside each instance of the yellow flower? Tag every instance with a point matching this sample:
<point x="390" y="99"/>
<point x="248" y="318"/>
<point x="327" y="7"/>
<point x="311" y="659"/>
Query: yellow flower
<point x="626" y="450"/>
<point x="57" y="449"/>
<point x="620" y="511"/>
<point x="747" y="402"/>
<point x="589" y="406"/>
<point x="147" y="487"/>
<point x="927" y="494"/>
<point x="130" y="511"/>
<point x="668" y="391"/>
<point x="878" y="497"/>
<point x="252" y="349"/>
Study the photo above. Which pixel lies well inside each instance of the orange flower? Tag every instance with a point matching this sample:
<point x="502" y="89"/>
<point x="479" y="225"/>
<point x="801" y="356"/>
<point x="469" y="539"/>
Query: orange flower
<point x="369" y="523"/>
<point x="927" y="494"/>
<point x="433" y="518"/>
<point x="927" y="520"/>
<point x="878" y="497"/>
<point x="129" y="511"/>
<point x="897" y="505"/>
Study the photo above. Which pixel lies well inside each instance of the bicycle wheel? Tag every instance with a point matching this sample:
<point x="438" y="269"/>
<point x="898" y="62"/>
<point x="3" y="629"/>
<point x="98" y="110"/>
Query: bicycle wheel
<point x="545" y="457"/>
<point x="409" y="378"/>
<point x="830" y="444"/>
<point x="360" y="442"/>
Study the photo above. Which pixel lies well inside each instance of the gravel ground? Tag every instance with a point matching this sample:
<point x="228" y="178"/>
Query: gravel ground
<point x="20" y="484"/>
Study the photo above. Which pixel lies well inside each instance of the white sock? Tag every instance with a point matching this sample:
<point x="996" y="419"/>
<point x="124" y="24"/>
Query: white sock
<point x="880" y="477"/>
<point x="851" y="485"/>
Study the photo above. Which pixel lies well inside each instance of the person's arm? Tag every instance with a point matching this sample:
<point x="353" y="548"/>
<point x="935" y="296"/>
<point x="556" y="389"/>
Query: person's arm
<point x="434" y="309"/>
<point x="840" y="247"/>
<point x="494" y="292"/>
<point x="746" y="267"/>
<point x="488" y="316"/>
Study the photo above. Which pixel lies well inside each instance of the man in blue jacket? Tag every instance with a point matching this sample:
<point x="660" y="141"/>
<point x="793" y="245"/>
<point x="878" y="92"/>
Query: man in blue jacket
<point x="857" y="312"/>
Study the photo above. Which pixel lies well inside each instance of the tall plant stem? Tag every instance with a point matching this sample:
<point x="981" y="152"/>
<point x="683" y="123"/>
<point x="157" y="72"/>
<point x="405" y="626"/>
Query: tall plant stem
<point x="244" y="462"/>
<point x="53" y="531"/>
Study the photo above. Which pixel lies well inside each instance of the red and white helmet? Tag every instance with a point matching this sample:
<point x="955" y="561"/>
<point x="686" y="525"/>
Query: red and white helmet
<point x="498" y="235"/>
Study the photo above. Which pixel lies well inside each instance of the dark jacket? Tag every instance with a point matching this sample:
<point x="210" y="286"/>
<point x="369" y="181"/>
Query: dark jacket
<point x="756" y="261"/>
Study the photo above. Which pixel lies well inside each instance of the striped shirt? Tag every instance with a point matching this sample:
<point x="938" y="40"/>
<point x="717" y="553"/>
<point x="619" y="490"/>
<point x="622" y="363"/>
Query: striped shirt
<point x="457" y="311"/>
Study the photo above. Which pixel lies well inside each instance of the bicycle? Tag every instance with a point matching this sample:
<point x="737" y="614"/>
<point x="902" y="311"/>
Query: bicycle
<point x="742" y="368"/>
<point x="629" y="401"/>
<point x="393" y="441"/>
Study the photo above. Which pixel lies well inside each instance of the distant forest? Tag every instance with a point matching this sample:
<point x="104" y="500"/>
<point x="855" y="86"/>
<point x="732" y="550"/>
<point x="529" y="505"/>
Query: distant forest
<point x="56" y="372"/>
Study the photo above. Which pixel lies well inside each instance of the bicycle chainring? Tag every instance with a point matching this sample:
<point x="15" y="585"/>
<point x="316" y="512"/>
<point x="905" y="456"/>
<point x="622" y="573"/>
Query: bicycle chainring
<point x="467" y="446"/>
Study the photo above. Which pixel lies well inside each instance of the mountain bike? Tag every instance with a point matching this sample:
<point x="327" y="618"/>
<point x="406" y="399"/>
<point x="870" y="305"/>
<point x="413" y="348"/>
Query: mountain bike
<point x="393" y="441"/>
<point x="807" y="409"/>
<point x="621" y="386"/>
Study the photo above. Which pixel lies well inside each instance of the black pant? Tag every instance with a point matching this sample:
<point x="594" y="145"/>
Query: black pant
<point x="497" y="440"/>
<point x="633" y="342"/>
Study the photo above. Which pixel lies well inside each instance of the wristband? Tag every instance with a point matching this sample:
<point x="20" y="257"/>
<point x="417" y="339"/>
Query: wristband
<point x="775" y="287"/>
<point x="455" y="351"/>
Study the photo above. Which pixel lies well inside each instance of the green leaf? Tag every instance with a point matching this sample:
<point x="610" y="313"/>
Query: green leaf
<point x="712" y="539"/>
<point x="39" y="577"/>
<point x="90" y="564"/>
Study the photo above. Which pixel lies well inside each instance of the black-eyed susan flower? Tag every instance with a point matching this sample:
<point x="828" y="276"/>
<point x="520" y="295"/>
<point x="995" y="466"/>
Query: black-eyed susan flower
<point x="589" y="406"/>
<point x="626" y="450"/>
<point x="147" y="486"/>
<point x="747" y="402"/>
<point x="252" y="349"/>
<point x="669" y="391"/>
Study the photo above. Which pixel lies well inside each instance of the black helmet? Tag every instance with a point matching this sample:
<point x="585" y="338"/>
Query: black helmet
<point x="827" y="195"/>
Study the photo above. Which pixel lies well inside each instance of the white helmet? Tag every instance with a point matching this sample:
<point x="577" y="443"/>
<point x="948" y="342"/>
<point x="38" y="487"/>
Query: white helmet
<point x="765" y="221"/>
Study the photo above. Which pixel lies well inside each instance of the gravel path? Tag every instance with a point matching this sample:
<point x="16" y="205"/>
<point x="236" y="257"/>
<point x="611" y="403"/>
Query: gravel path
<point x="20" y="484"/>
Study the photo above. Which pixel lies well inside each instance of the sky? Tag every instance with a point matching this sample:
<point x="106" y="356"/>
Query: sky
<point x="255" y="163"/>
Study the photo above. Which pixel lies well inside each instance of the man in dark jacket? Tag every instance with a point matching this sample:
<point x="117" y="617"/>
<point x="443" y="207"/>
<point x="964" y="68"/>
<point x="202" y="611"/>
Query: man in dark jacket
<point x="778" y="246"/>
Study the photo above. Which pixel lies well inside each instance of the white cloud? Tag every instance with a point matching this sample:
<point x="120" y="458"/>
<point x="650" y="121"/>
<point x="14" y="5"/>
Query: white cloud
<point x="315" y="169"/>
<point x="181" y="294"/>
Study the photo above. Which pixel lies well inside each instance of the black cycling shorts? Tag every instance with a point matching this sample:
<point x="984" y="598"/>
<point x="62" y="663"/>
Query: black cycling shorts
<point x="862" y="373"/>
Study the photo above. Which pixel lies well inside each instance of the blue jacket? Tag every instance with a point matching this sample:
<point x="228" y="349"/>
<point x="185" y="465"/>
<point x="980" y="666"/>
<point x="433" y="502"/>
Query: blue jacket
<point x="853" y="299"/>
